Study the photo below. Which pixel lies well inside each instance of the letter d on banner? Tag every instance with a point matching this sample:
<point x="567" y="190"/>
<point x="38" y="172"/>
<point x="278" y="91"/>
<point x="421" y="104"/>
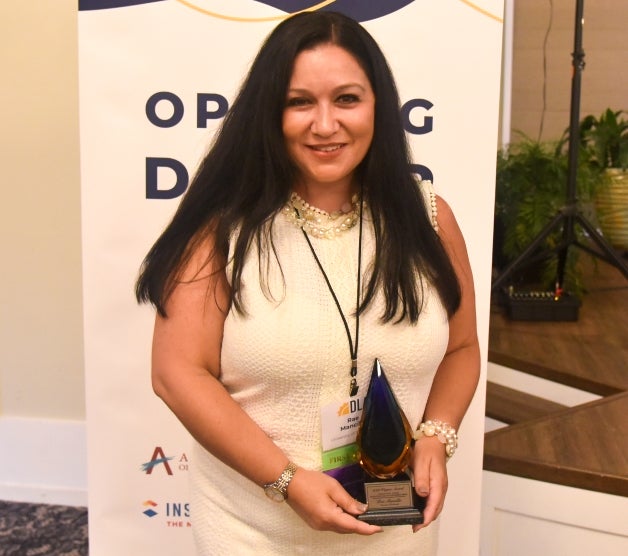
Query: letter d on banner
<point x="152" y="173"/>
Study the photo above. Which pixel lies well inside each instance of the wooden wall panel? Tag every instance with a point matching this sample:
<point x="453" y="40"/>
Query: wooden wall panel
<point x="604" y="79"/>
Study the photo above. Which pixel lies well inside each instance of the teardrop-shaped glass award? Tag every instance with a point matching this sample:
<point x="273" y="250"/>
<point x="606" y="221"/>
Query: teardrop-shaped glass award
<point x="384" y="441"/>
<point x="384" y="436"/>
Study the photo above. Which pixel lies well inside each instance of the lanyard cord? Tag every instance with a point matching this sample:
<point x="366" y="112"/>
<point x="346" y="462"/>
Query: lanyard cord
<point x="353" y="349"/>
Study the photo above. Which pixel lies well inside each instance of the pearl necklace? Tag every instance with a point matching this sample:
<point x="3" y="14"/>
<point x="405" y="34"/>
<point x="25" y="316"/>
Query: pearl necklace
<point x="319" y="223"/>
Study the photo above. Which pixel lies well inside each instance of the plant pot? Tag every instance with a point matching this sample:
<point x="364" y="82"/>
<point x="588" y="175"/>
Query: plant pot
<point x="612" y="208"/>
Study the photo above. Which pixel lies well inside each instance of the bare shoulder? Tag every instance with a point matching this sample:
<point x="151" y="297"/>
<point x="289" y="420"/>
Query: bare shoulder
<point x="201" y="260"/>
<point x="447" y="223"/>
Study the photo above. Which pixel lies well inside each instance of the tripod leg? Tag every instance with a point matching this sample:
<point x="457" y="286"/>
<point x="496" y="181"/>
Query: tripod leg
<point x="569" y="237"/>
<point x="612" y="256"/>
<point x="514" y="265"/>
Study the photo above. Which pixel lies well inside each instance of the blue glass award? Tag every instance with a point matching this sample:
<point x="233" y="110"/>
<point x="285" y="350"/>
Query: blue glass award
<point x="385" y="443"/>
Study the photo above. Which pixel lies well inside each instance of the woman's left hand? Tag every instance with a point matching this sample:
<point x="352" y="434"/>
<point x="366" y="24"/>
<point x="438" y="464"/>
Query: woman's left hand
<point x="430" y="477"/>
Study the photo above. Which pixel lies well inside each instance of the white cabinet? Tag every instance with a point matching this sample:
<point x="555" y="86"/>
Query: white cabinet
<point x="523" y="517"/>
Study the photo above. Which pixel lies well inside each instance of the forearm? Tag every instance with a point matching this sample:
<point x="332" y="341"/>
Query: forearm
<point x="454" y="386"/>
<point x="221" y="426"/>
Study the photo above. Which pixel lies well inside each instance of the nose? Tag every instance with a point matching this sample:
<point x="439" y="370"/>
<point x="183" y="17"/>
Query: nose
<point x="324" y="121"/>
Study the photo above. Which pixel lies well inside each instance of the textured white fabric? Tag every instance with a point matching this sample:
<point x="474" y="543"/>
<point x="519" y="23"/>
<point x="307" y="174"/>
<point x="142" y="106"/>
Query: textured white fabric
<point x="285" y="361"/>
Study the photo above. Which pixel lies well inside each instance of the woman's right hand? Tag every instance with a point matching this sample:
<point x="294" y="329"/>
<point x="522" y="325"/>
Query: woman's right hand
<point x="324" y="505"/>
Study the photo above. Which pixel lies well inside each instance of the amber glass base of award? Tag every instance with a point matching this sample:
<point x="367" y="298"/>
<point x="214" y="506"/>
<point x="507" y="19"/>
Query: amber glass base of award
<point x="384" y="440"/>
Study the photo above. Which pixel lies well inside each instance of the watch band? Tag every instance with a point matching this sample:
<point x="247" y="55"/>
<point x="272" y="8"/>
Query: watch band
<point x="278" y="490"/>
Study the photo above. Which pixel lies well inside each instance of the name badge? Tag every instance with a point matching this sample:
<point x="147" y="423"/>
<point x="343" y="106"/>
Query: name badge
<point x="340" y="421"/>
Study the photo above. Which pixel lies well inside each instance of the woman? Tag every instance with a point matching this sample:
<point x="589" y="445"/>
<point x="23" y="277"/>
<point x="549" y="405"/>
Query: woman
<point x="303" y="250"/>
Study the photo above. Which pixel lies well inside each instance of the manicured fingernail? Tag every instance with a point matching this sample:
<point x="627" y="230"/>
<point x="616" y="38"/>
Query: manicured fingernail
<point x="362" y="507"/>
<point x="423" y="492"/>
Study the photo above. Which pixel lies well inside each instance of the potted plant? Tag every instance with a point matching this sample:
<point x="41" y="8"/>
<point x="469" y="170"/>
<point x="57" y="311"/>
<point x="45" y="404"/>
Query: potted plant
<point x="606" y="140"/>
<point x="531" y="187"/>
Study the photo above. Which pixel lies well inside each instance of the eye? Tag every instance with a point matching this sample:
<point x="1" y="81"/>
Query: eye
<point x="297" y="102"/>
<point x="348" y="98"/>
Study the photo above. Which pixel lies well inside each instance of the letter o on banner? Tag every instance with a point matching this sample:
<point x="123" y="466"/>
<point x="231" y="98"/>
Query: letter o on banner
<point x="164" y="97"/>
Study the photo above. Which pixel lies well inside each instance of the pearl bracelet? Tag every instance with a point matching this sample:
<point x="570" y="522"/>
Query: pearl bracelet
<point x="445" y="433"/>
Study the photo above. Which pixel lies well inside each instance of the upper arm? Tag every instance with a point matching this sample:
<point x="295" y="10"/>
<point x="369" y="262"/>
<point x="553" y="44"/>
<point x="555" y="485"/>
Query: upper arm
<point x="462" y="325"/>
<point x="189" y="339"/>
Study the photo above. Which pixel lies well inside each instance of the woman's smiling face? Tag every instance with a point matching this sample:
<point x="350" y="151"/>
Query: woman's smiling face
<point x="328" y="119"/>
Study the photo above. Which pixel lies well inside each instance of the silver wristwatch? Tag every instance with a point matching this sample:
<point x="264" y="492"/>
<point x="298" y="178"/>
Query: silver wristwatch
<point x="278" y="491"/>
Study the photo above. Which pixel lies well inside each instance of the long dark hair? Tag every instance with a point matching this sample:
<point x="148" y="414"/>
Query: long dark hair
<point x="247" y="176"/>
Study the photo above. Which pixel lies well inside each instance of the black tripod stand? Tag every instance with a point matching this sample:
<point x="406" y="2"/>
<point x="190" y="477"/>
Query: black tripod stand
<point x="570" y="214"/>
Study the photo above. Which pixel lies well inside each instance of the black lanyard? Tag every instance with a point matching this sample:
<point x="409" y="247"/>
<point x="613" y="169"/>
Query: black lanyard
<point x="353" y="348"/>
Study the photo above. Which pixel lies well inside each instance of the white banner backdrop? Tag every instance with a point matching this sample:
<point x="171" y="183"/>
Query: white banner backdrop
<point x="155" y="79"/>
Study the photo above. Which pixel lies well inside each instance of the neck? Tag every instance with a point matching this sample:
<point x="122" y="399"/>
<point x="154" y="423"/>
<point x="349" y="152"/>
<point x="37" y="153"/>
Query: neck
<point x="330" y="199"/>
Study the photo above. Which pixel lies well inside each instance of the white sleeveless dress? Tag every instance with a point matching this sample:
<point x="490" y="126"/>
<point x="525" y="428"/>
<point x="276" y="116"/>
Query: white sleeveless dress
<point x="285" y="361"/>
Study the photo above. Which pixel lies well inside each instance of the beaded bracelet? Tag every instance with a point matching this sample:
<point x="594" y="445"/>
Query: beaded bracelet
<point x="445" y="433"/>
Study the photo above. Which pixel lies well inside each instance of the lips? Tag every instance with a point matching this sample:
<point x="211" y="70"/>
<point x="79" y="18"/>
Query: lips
<point x="326" y="148"/>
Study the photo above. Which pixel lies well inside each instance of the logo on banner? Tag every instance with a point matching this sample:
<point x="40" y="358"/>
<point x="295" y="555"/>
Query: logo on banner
<point x="160" y="459"/>
<point x="169" y="514"/>
<point x="241" y="10"/>
<point x="361" y="11"/>
<point x="150" y="512"/>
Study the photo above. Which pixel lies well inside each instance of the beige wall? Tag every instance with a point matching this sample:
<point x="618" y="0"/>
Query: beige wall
<point x="41" y="360"/>
<point x="604" y="79"/>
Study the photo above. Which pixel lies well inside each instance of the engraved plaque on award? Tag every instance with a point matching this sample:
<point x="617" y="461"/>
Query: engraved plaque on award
<point x="384" y="440"/>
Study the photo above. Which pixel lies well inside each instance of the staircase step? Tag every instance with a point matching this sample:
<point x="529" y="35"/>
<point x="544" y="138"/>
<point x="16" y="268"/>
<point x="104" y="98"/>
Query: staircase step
<point x="582" y="447"/>
<point x="513" y="406"/>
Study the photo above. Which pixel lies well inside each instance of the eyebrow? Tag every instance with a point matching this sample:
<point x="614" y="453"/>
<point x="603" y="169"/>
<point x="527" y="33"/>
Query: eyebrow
<point x="338" y="89"/>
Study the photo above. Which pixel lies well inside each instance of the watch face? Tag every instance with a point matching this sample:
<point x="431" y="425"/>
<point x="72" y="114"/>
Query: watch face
<point x="274" y="494"/>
